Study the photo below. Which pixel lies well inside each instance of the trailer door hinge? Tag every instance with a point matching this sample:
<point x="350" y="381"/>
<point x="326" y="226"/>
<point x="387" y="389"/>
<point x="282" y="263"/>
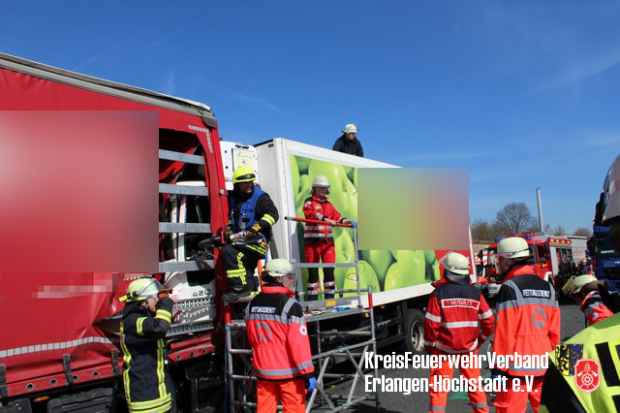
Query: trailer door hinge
<point x="66" y="364"/>
<point x="4" y="391"/>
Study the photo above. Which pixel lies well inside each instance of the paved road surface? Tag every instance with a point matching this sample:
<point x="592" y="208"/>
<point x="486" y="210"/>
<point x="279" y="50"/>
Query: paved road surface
<point x="572" y="322"/>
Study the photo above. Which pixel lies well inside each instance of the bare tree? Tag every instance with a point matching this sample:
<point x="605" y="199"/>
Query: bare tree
<point x="514" y="218"/>
<point x="482" y="231"/>
<point x="559" y="230"/>
<point x="583" y="232"/>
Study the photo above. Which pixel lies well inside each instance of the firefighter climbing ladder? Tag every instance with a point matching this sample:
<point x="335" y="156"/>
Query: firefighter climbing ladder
<point x="335" y="391"/>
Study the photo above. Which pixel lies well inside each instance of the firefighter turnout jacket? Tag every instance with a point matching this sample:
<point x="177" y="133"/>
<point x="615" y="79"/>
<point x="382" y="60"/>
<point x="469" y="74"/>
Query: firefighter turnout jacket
<point x="594" y="309"/>
<point x="144" y="347"/>
<point x="584" y="372"/>
<point x="255" y="212"/>
<point x="528" y="318"/>
<point x="278" y="335"/>
<point x="319" y="208"/>
<point x="458" y="318"/>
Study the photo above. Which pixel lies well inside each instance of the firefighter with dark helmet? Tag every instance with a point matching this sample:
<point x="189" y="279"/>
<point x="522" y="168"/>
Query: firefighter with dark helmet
<point x="252" y="214"/>
<point x="457" y="321"/>
<point x="278" y="335"/>
<point x="146" y="319"/>
<point x="528" y="324"/>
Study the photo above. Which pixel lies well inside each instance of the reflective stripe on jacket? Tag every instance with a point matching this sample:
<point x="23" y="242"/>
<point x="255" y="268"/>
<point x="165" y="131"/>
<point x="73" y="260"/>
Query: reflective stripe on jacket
<point x="278" y="335"/>
<point x="458" y="318"/>
<point x="594" y="309"/>
<point x="528" y="318"/>
<point x="143" y="345"/>
<point x="320" y="209"/>
<point x="599" y="344"/>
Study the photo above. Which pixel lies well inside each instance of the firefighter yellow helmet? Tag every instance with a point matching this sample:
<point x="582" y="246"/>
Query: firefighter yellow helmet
<point x="577" y="282"/>
<point x="244" y="173"/>
<point x="456" y="263"/>
<point x="142" y="289"/>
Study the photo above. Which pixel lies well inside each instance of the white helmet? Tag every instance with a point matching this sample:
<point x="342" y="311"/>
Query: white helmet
<point x="279" y="267"/>
<point x="320" y="181"/>
<point x="349" y="128"/>
<point x="456" y="263"/>
<point x="513" y="248"/>
<point x="577" y="282"/>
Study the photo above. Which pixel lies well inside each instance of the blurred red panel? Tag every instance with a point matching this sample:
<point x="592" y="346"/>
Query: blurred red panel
<point x="78" y="191"/>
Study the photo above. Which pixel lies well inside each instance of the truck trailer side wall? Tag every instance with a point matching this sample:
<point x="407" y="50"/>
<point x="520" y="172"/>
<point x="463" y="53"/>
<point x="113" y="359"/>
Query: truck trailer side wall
<point x="287" y="169"/>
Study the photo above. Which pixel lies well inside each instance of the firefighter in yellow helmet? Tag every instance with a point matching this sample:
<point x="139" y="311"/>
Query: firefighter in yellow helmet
<point x="252" y="215"/>
<point x="146" y="319"/>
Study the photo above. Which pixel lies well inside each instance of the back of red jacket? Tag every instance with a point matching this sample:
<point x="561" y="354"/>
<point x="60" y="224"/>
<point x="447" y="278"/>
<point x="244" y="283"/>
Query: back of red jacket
<point x="278" y="335"/>
<point x="528" y="318"/>
<point x="458" y="318"/>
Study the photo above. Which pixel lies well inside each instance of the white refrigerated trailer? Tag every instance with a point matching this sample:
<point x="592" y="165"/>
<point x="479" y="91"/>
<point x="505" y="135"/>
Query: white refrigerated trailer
<point x="400" y="280"/>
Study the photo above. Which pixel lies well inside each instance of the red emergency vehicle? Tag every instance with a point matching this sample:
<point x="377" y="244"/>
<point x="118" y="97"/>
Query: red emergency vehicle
<point x="58" y="346"/>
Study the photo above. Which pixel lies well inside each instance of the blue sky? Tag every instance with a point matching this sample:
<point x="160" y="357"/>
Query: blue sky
<point x="520" y="94"/>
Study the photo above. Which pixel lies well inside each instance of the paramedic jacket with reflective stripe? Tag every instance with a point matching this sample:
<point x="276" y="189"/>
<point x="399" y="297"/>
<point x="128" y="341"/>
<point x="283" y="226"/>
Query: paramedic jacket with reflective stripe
<point x="258" y="207"/>
<point x="320" y="209"/>
<point x="594" y="309"/>
<point x="143" y="344"/>
<point x="277" y="333"/>
<point x="458" y="318"/>
<point x="528" y="318"/>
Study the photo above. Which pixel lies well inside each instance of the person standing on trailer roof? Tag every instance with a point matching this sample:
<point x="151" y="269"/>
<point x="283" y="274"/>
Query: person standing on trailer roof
<point x="146" y="320"/>
<point x="278" y="335"/>
<point x="348" y="141"/>
<point x="252" y="215"/>
<point x="457" y="321"/>
<point x="318" y="238"/>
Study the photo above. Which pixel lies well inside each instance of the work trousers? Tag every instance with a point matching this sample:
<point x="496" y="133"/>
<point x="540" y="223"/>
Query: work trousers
<point x="291" y="393"/>
<point x="439" y="398"/>
<point x="240" y="263"/>
<point x="513" y="401"/>
<point x="317" y="251"/>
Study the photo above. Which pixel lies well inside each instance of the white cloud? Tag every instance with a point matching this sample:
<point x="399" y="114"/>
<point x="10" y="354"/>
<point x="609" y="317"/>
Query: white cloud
<point x="585" y="68"/>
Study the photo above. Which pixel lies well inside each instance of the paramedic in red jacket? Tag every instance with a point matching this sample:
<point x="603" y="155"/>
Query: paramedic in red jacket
<point x="458" y="320"/>
<point x="528" y="322"/>
<point x="584" y="289"/>
<point x="278" y="335"/>
<point x="318" y="239"/>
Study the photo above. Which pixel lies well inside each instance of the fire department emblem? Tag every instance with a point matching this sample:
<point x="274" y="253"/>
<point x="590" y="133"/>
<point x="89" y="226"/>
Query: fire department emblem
<point x="587" y="375"/>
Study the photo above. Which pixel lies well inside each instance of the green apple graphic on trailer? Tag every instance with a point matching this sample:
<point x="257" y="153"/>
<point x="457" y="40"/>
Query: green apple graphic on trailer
<point x="382" y="270"/>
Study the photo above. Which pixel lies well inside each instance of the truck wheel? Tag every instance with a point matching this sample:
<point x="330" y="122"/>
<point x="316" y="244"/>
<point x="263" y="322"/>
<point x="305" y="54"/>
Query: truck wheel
<point x="414" y="331"/>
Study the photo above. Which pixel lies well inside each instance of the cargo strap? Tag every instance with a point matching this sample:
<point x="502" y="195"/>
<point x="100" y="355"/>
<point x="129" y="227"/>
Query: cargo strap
<point x="66" y="364"/>
<point x="115" y="369"/>
<point x="4" y="392"/>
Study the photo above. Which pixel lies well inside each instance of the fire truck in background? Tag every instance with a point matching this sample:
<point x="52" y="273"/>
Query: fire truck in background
<point x="59" y="346"/>
<point x="553" y="257"/>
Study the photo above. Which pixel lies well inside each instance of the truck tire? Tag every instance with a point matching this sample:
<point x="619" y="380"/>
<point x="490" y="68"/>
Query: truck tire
<point x="414" y="331"/>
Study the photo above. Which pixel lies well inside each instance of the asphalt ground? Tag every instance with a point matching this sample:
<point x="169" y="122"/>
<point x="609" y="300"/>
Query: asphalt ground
<point x="572" y="322"/>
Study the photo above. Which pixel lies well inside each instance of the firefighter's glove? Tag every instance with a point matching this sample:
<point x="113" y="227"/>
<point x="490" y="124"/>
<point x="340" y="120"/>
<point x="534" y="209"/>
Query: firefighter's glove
<point x="311" y="384"/>
<point x="165" y="303"/>
<point x="255" y="229"/>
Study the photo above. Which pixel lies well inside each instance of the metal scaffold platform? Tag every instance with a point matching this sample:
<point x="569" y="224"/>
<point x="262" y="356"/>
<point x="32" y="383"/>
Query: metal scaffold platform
<point x="341" y="331"/>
